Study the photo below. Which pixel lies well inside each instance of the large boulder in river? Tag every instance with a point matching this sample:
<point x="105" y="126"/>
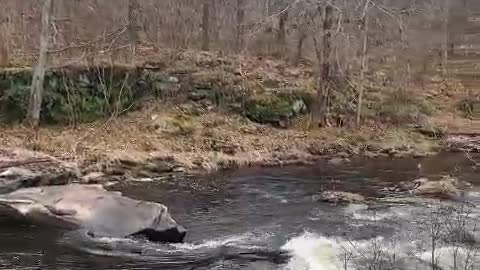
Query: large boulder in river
<point x="92" y="208"/>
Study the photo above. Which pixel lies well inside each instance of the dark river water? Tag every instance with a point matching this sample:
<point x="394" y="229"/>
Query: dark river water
<point x="269" y="219"/>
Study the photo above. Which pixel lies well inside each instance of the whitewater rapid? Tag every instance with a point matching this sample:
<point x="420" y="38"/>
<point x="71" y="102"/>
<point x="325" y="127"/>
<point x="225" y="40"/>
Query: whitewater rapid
<point x="406" y="249"/>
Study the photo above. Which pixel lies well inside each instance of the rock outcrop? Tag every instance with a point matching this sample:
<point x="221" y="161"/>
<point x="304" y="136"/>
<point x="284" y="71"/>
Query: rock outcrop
<point x="20" y="168"/>
<point x="15" y="178"/>
<point x="92" y="208"/>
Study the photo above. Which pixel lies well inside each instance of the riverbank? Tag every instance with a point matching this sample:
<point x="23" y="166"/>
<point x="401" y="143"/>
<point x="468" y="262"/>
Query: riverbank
<point x="215" y="142"/>
<point x="202" y="113"/>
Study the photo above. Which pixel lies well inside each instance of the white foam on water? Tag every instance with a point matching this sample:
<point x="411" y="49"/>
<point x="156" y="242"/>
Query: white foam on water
<point x="244" y="241"/>
<point x="268" y="195"/>
<point x="313" y="252"/>
<point x="109" y="253"/>
<point x="361" y="212"/>
<point x="377" y="216"/>
<point x="316" y="252"/>
<point x="228" y="241"/>
<point x="114" y="240"/>
<point x="353" y="208"/>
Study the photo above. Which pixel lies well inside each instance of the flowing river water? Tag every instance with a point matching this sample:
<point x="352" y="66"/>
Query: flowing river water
<point x="269" y="219"/>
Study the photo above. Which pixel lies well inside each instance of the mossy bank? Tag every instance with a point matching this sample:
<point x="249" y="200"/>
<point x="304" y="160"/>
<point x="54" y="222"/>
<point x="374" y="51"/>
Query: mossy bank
<point x="205" y="115"/>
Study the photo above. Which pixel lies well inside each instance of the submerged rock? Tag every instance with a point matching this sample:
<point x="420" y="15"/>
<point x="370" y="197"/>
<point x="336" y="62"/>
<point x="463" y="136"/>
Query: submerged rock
<point x="337" y="197"/>
<point x="90" y="207"/>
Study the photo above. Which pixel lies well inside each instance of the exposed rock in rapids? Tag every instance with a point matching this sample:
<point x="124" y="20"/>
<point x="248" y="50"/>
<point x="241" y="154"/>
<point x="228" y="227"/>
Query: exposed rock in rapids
<point x="337" y="197"/>
<point x="90" y="207"/>
<point x="445" y="188"/>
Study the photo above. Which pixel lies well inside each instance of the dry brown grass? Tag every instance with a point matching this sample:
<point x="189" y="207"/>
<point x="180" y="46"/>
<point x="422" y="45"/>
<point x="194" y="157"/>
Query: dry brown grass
<point x="208" y="148"/>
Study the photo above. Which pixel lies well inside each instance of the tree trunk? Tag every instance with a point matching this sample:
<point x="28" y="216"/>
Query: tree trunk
<point x="133" y="24"/>
<point x="446" y="21"/>
<point x="301" y="40"/>
<point x="266" y="9"/>
<point x="239" y="35"/>
<point x="36" y="91"/>
<point x="3" y="48"/>
<point x="363" y="69"/>
<point x="325" y="77"/>
<point x="282" y="33"/>
<point x="206" y="25"/>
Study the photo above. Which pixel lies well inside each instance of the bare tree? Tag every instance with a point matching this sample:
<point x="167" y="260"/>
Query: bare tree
<point x="282" y="32"/>
<point x="240" y="21"/>
<point x="325" y="69"/>
<point x="446" y="21"/>
<point x="302" y="36"/>
<point x="133" y="22"/>
<point x="207" y="7"/>
<point x="36" y="92"/>
<point x="364" y="29"/>
<point x="3" y="49"/>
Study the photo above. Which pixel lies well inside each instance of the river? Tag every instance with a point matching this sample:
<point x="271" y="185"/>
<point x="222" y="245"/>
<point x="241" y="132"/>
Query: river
<point x="268" y="219"/>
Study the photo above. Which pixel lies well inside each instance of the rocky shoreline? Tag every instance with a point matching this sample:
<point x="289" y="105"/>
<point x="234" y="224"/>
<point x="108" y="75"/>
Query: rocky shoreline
<point x="45" y="169"/>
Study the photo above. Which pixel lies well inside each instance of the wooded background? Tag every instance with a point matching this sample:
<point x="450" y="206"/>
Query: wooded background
<point x="409" y="29"/>
<point x="408" y="38"/>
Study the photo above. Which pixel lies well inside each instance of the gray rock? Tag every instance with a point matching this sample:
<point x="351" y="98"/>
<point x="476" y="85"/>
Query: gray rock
<point x="374" y="148"/>
<point x="445" y="188"/>
<point x="94" y="178"/>
<point x="431" y="131"/>
<point x="92" y="208"/>
<point x="166" y="83"/>
<point x="336" y="197"/>
<point x="14" y="172"/>
<point x="343" y="155"/>
<point x="198" y="94"/>
<point x="337" y="161"/>
<point x="15" y="178"/>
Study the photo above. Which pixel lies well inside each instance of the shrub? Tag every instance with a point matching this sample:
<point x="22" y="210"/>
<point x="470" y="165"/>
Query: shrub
<point x="404" y="107"/>
<point x="273" y="109"/>
<point x="73" y="96"/>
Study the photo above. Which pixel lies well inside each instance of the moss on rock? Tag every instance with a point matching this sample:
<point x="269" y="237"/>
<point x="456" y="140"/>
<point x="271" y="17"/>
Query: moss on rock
<point x="77" y="94"/>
